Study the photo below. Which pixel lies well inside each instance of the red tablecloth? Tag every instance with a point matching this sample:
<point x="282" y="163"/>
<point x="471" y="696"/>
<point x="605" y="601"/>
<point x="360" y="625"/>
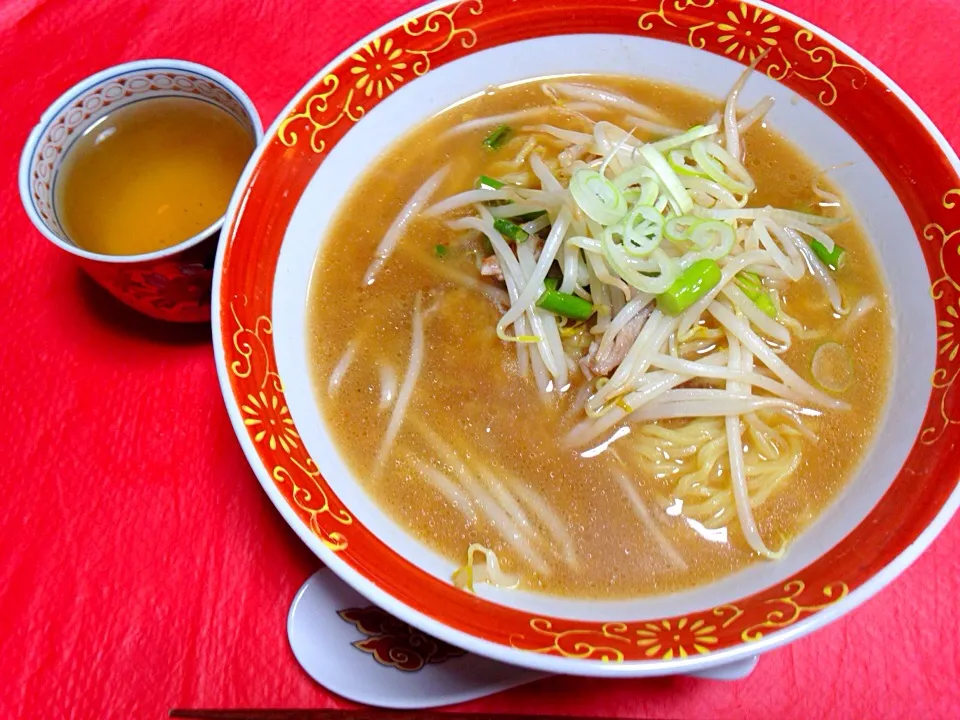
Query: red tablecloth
<point x="141" y="566"/>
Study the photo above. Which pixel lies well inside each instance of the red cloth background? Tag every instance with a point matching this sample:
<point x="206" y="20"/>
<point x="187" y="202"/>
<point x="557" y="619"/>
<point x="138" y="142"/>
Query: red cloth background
<point x="141" y="566"/>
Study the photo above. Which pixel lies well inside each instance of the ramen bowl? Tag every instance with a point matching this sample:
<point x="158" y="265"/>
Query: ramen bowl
<point x="830" y="101"/>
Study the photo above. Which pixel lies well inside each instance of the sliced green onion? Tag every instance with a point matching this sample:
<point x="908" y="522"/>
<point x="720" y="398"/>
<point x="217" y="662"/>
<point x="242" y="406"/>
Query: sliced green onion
<point x="684" y="163"/>
<point x="832" y="259"/>
<point x="649" y="192"/>
<point x="722" y="167"/>
<point x="645" y="281"/>
<point x="571" y="306"/>
<point x="694" y="133"/>
<point x="440" y="250"/>
<point x="510" y="230"/>
<point x="527" y="217"/>
<point x="599" y="198"/>
<point x="641" y="231"/>
<point x="488" y="183"/>
<point x="634" y="176"/>
<point x="646" y="193"/>
<point x="679" y="227"/>
<point x="694" y="282"/>
<point x="639" y="185"/>
<point x="495" y="139"/>
<point x="658" y="163"/>
<point x="714" y="238"/>
<point x="752" y="286"/>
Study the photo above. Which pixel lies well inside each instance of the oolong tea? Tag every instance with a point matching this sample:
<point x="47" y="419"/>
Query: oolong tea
<point x="150" y="175"/>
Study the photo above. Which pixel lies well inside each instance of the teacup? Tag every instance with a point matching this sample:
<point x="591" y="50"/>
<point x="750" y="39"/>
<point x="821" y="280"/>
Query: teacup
<point x="169" y="284"/>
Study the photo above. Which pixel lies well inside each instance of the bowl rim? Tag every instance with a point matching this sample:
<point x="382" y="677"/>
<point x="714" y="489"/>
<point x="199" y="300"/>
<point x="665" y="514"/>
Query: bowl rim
<point x="463" y="639"/>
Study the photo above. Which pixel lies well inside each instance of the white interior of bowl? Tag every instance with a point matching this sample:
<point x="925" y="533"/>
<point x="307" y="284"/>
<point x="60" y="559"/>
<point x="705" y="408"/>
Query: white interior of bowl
<point x="794" y="117"/>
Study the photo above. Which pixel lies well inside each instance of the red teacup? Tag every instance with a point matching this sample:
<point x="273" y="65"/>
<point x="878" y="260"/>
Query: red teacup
<point x="169" y="284"/>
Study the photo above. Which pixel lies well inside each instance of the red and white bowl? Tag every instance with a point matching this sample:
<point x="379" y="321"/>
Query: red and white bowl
<point x="904" y="185"/>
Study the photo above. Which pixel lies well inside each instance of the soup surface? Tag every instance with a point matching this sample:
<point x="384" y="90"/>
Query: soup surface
<point x="150" y="175"/>
<point x="601" y="522"/>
